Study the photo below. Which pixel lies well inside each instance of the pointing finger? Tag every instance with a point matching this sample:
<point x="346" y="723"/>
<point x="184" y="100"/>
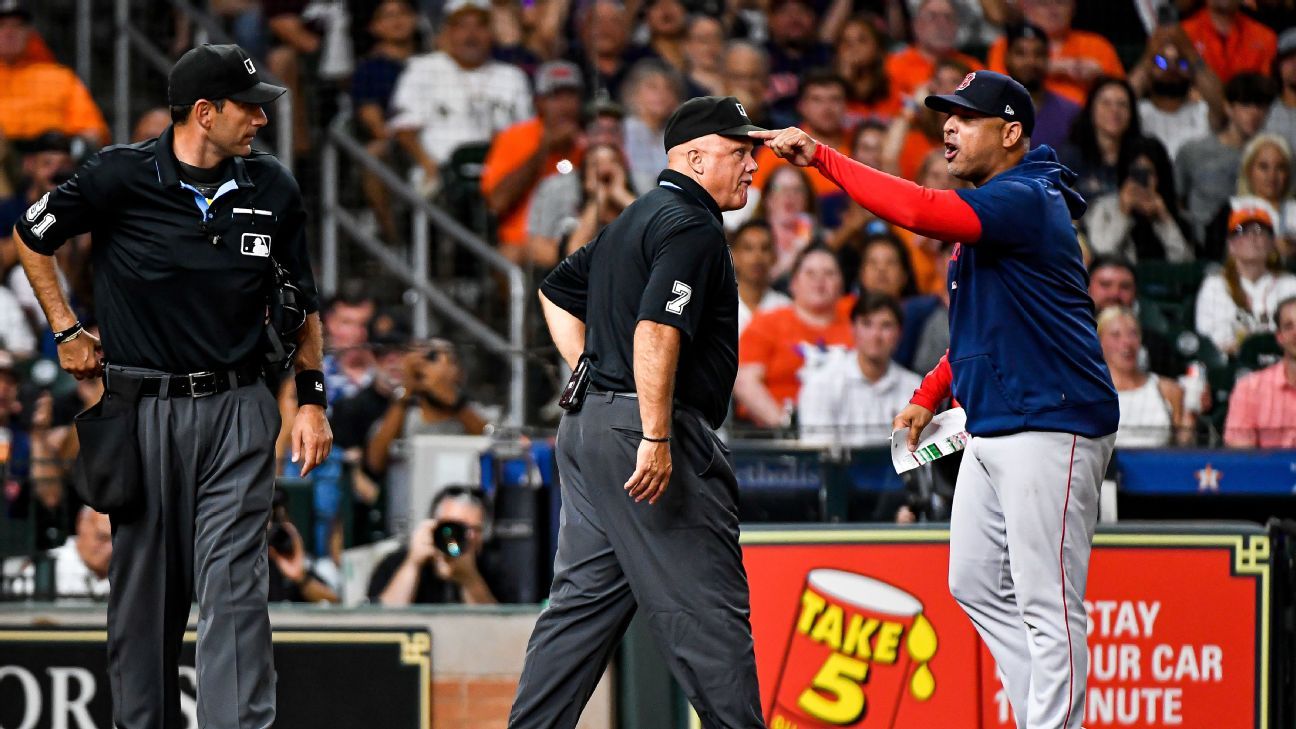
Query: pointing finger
<point x="764" y="133"/>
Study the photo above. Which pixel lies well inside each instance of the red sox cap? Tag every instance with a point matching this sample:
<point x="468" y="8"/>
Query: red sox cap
<point x="218" y="72"/>
<point x="992" y="94"/>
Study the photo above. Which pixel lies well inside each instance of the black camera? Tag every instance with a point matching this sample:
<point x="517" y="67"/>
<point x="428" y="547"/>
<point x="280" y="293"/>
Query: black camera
<point x="451" y="537"/>
<point x="279" y="538"/>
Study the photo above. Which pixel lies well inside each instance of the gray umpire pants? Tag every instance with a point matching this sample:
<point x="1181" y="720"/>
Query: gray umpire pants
<point x="208" y="470"/>
<point x="678" y="560"/>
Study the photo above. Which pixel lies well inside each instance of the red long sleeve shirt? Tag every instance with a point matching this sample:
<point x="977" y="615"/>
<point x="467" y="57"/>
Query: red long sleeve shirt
<point x="939" y="214"/>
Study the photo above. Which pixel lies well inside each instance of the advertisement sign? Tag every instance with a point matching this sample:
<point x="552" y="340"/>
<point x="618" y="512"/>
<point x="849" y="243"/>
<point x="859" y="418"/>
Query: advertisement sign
<point x="1211" y="472"/>
<point x="326" y="678"/>
<point x="856" y="628"/>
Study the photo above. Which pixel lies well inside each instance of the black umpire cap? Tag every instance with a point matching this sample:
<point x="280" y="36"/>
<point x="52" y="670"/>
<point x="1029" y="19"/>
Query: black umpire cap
<point x="218" y="72"/>
<point x="15" y="9"/>
<point x="992" y="94"/>
<point x="704" y="115"/>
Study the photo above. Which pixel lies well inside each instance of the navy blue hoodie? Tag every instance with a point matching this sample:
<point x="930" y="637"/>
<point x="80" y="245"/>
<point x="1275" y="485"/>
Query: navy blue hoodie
<point x="1024" y="349"/>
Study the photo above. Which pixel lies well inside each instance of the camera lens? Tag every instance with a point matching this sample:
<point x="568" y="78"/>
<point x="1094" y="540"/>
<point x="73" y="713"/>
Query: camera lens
<point x="451" y="537"/>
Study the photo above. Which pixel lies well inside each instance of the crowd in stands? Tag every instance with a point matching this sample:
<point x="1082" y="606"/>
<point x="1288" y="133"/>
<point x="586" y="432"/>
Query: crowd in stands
<point x="1178" y="118"/>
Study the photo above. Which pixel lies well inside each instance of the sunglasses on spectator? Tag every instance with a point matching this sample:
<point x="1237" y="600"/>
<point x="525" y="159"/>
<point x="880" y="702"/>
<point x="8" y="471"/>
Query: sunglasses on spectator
<point x="1164" y="63"/>
<point x="1251" y="228"/>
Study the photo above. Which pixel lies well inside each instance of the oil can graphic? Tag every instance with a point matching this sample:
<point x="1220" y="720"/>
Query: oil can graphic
<point x="858" y="650"/>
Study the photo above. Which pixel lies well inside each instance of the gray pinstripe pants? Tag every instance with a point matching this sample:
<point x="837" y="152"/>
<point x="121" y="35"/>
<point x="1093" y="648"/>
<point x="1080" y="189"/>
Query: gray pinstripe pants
<point x="208" y="470"/>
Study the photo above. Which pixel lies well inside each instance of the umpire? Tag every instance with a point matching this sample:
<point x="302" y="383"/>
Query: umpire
<point x="183" y="230"/>
<point x="650" y="310"/>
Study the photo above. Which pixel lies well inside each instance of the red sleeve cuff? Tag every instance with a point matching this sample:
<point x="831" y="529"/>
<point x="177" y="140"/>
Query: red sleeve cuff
<point x="935" y="386"/>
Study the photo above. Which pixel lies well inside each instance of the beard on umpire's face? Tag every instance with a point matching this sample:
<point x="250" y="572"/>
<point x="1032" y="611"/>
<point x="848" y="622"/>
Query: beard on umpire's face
<point x="723" y="166"/>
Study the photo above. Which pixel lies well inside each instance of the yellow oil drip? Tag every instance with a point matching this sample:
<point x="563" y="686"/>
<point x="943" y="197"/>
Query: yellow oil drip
<point x="923" y="683"/>
<point x="921" y="645"/>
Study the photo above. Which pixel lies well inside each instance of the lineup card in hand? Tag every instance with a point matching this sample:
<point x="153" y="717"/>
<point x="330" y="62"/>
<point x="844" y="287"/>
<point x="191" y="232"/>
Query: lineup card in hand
<point x="945" y="434"/>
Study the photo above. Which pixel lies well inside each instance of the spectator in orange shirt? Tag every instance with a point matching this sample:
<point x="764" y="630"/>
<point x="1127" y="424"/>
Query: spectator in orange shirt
<point x="526" y="153"/>
<point x="821" y="105"/>
<point x="777" y="343"/>
<point x="1076" y="57"/>
<point x="39" y="96"/>
<point x="1262" y="408"/>
<point x="935" y="27"/>
<point x="860" y="58"/>
<point x="1229" y="41"/>
<point x="1027" y="60"/>
<point x="917" y="130"/>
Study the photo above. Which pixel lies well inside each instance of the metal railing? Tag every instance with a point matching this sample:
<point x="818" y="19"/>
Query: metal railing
<point x="129" y="37"/>
<point x="131" y="41"/>
<point x="424" y="216"/>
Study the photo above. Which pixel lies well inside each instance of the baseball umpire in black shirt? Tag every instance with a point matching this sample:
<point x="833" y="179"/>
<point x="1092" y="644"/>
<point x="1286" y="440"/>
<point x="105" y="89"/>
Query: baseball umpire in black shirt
<point x="648" y="311"/>
<point x="185" y="231"/>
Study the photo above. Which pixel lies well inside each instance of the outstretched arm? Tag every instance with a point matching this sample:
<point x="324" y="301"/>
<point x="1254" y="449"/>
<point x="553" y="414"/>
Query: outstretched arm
<point x="939" y="214"/>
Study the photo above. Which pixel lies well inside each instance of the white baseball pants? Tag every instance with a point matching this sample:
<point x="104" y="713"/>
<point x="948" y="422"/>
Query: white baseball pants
<point x="1020" y="534"/>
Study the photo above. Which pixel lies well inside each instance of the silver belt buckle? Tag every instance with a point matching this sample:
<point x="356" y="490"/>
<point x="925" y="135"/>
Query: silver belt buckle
<point x="209" y="386"/>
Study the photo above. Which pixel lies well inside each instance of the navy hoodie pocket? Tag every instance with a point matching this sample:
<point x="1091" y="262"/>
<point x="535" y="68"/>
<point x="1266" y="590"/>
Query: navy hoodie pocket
<point x="980" y="388"/>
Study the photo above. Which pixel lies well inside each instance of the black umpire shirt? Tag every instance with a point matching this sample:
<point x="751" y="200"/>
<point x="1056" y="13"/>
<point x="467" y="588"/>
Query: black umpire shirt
<point x="664" y="259"/>
<point x="180" y="279"/>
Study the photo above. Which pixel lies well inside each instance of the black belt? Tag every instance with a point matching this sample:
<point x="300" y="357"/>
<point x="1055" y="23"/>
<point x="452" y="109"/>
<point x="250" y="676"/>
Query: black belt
<point x="684" y="407"/>
<point x="196" y="384"/>
<point x="605" y="393"/>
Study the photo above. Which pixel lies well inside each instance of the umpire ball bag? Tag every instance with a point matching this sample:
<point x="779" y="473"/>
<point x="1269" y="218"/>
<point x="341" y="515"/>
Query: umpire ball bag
<point x="108" y="468"/>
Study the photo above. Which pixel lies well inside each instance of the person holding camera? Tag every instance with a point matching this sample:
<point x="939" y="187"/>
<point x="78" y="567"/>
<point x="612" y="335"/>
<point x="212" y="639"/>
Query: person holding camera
<point x="430" y="401"/>
<point x="444" y="562"/>
<point x="1140" y="221"/>
<point x="293" y="575"/>
<point x="1165" y="78"/>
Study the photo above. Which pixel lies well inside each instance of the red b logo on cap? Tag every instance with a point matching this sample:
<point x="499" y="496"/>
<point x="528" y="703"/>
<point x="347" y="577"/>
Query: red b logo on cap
<point x="967" y="81"/>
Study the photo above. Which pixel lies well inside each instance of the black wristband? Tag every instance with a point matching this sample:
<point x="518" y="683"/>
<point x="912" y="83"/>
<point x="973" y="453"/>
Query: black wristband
<point x="310" y="388"/>
<point x="68" y="334"/>
<point x="656" y="440"/>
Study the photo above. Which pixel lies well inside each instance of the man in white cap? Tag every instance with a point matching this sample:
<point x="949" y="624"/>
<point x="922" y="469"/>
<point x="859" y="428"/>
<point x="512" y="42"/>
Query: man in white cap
<point x="458" y="95"/>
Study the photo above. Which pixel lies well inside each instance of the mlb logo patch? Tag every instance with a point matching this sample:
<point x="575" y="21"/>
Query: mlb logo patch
<point x="256" y="244"/>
